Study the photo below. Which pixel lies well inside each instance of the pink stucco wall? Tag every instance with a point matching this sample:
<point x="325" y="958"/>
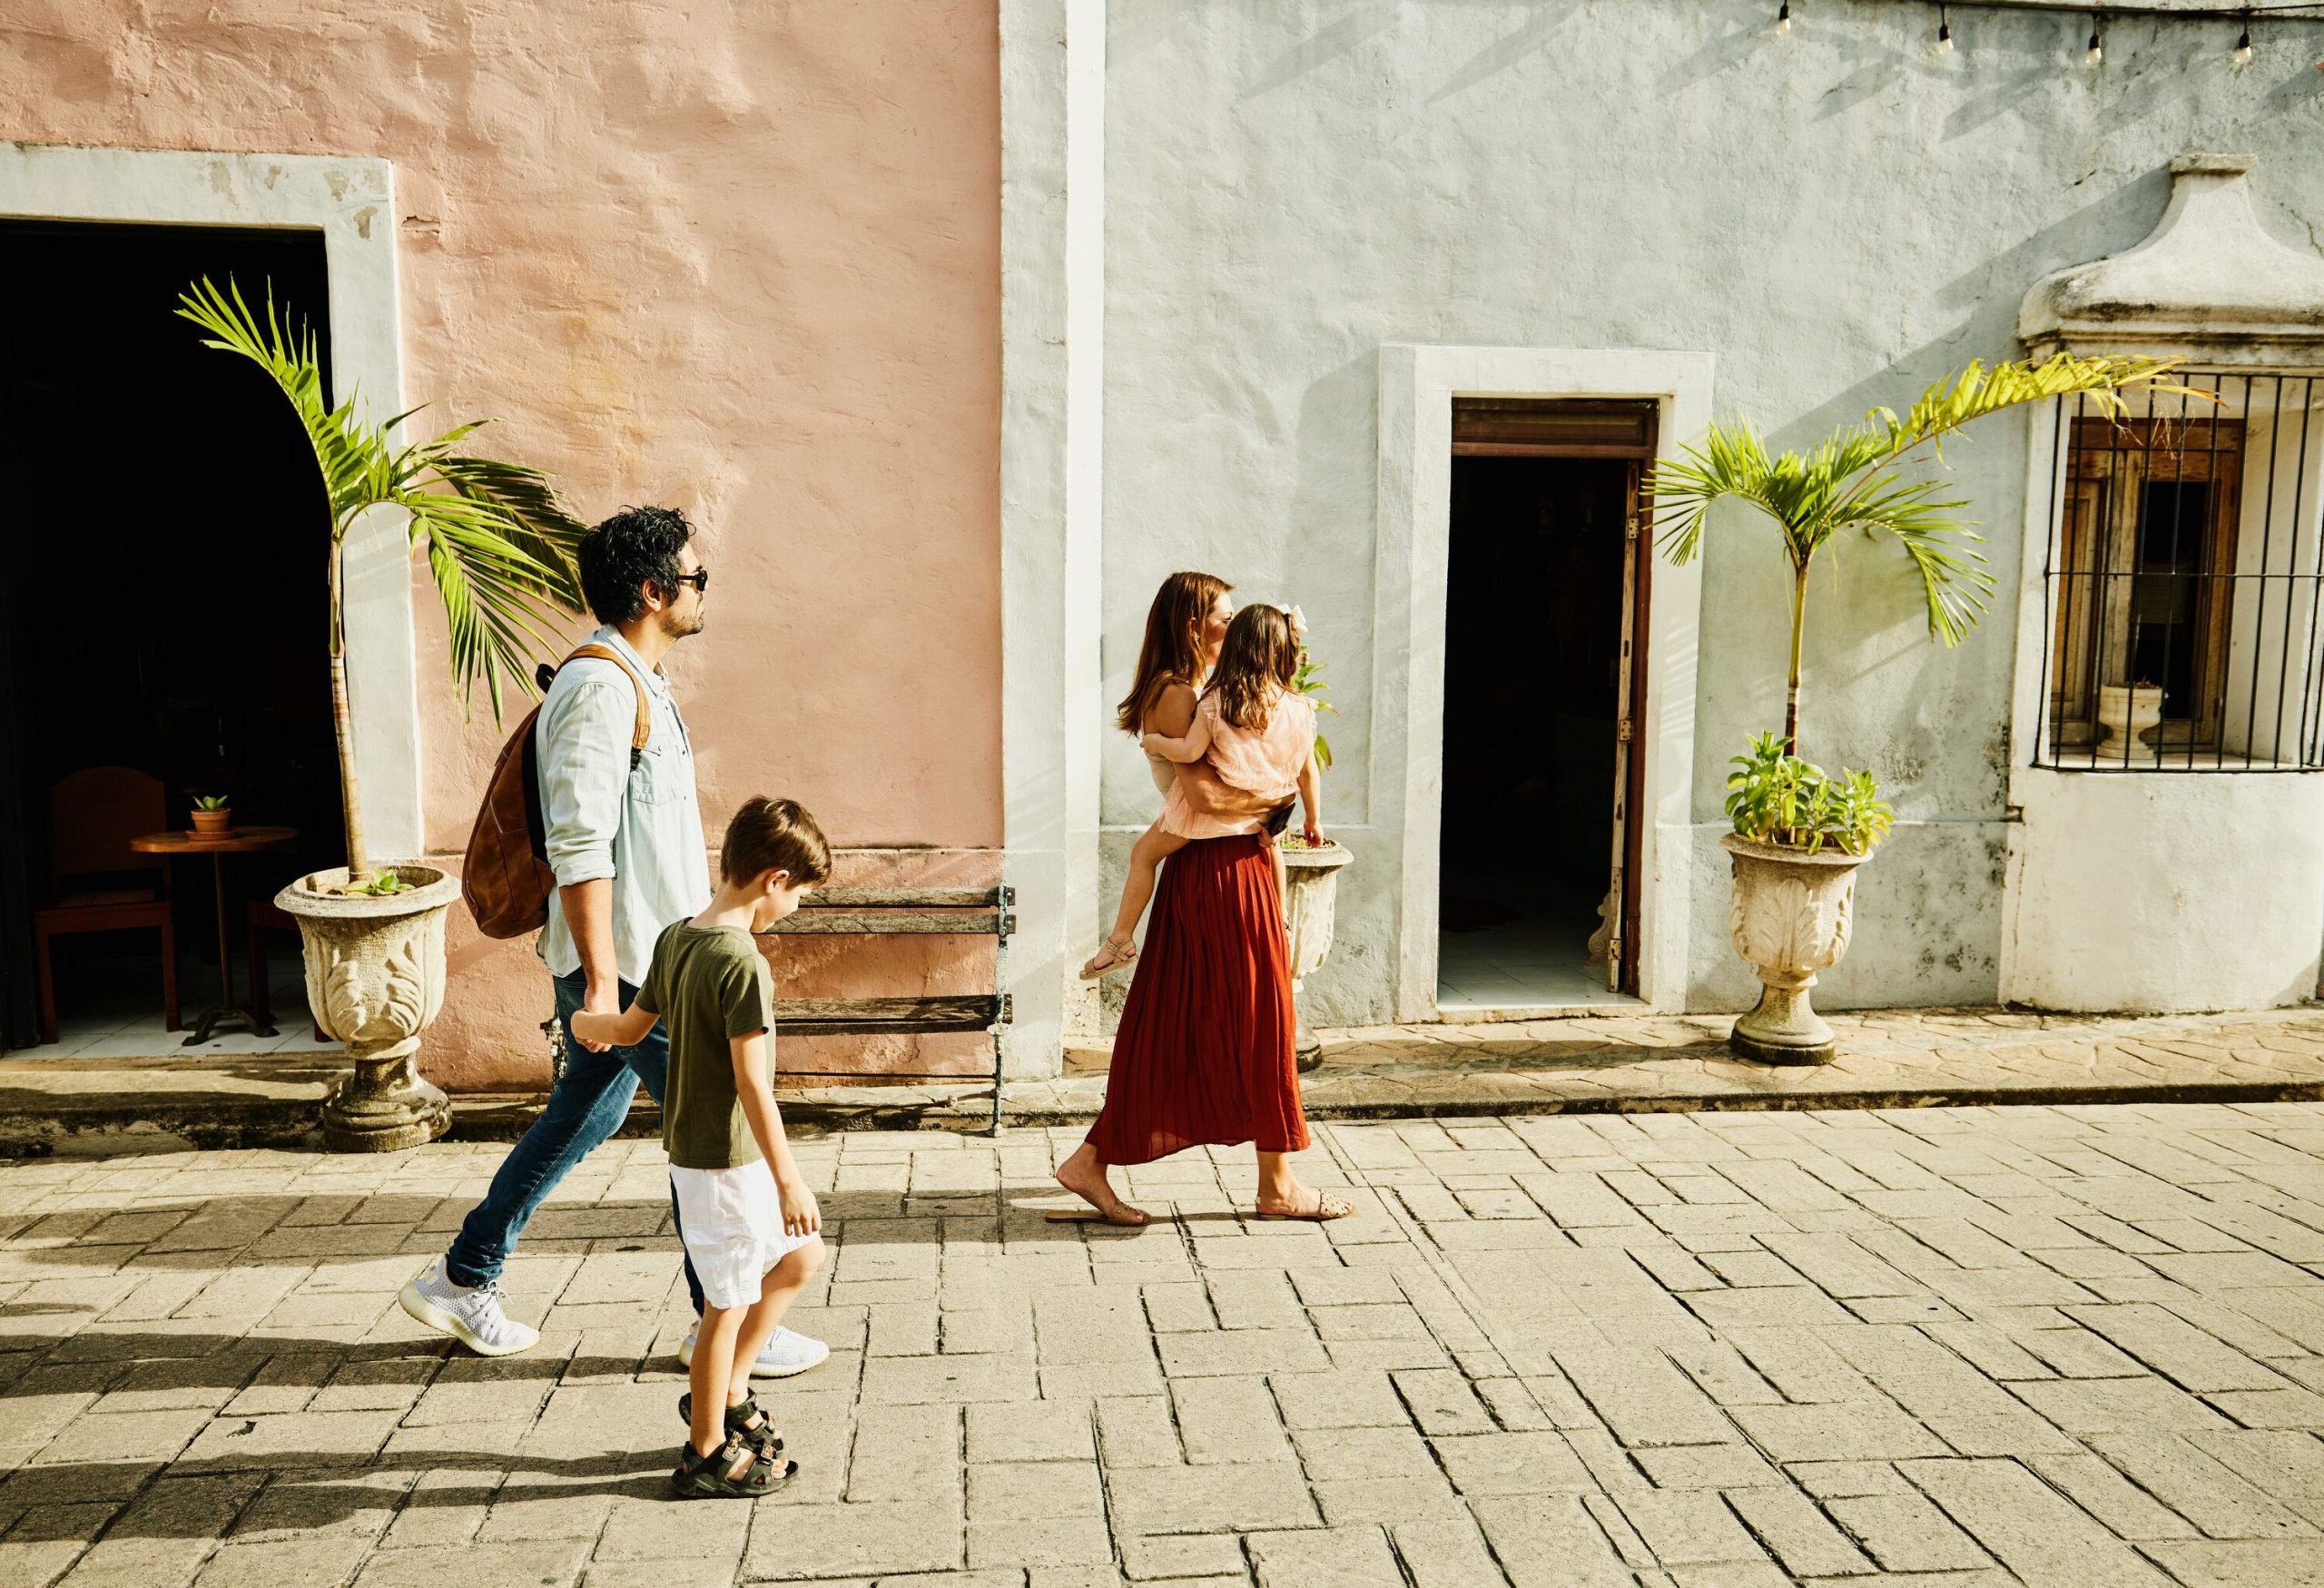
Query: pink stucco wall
<point x="740" y="257"/>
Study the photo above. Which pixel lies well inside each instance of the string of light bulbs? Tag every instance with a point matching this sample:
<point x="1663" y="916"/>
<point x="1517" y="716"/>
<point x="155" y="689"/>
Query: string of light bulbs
<point x="2096" y="52"/>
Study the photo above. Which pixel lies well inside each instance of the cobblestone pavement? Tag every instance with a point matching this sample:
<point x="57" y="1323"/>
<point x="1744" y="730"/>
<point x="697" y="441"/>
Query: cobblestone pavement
<point x="1973" y="1346"/>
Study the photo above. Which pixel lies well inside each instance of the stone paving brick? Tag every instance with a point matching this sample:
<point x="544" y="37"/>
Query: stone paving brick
<point x="1868" y="1430"/>
<point x="2198" y="1488"/>
<point x="1905" y="1532"/>
<point x="1191" y="1499"/>
<point x="2288" y="1466"/>
<point x="1137" y="1431"/>
<point x="905" y="1452"/>
<point x="880" y="1539"/>
<point x="1241" y="1352"/>
<point x="1552" y="1543"/>
<point x="1183" y="1558"/>
<point x="1038" y="1491"/>
<point x="321" y="1560"/>
<point x="1643" y="1398"/>
<point x="1352" y="1398"/>
<point x="1801" y="1536"/>
<point x="1442" y="1402"/>
<point x="2203" y="1564"/>
<point x="1683" y="1529"/>
<point x="1031" y="1431"/>
<point x="1228" y="1420"/>
<point x="1333" y="1557"/>
<point x="2111" y="1405"/>
<point x="550" y="1564"/>
<point x="2175" y="1348"/>
<point x="1708" y="1466"/>
<point x="2028" y="1527"/>
<point x="1512" y="1464"/>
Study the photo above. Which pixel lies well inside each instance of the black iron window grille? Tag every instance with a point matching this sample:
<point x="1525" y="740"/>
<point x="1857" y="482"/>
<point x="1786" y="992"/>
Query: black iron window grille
<point x="2185" y="560"/>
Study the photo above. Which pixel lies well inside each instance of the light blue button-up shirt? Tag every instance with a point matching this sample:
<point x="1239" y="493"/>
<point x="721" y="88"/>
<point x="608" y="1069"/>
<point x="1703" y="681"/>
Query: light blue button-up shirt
<point x="640" y="826"/>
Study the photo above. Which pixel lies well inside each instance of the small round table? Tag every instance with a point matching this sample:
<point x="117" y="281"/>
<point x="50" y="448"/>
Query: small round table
<point x="234" y="840"/>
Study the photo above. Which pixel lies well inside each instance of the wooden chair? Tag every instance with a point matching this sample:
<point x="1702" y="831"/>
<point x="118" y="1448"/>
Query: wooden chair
<point x="96" y="882"/>
<point x="262" y="916"/>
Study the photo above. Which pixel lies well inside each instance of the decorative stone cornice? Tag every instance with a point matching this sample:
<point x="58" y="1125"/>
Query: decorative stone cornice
<point x="2210" y="284"/>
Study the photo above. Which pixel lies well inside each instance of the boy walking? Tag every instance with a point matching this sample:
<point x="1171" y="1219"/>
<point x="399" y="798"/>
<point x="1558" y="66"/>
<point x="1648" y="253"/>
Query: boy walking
<point x="750" y="1224"/>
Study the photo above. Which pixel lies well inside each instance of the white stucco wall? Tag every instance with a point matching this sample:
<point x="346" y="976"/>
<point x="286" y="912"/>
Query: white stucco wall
<point x="2165" y="893"/>
<point x="1837" y="217"/>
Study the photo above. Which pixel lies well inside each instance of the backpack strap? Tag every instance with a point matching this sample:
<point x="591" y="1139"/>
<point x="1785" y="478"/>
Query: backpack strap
<point x="645" y="729"/>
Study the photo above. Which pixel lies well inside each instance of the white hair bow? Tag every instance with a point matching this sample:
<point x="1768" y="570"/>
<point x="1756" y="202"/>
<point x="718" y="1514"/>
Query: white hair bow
<point x="1298" y="622"/>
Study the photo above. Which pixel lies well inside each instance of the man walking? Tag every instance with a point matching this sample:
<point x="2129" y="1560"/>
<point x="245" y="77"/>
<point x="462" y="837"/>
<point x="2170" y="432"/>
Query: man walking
<point x="625" y="841"/>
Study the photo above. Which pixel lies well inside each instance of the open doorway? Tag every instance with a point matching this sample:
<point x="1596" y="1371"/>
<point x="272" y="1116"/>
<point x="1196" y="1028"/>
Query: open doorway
<point x="1544" y="671"/>
<point x="163" y="577"/>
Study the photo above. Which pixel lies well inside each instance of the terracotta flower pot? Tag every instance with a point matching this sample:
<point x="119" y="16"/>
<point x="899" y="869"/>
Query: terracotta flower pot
<point x="212" y="823"/>
<point x="374" y="980"/>
<point x="1790" y="914"/>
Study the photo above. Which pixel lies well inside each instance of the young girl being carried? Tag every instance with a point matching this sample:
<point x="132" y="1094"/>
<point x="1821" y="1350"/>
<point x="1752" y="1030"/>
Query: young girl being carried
<point x="1259" y="735"/>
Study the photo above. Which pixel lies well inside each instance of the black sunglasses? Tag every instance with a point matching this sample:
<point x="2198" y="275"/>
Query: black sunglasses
<point x="699" y="579"/>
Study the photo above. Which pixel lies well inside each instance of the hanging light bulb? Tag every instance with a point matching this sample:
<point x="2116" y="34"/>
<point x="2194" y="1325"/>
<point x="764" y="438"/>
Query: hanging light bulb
<point x="2243" y="46"/>
<point x="1944" y="32"/>
<point x="1783" y="17"/>
<point x="2097" y="56"/>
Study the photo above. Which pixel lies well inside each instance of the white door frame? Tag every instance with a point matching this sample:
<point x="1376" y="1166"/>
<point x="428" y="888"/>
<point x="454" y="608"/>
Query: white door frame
<point x="1417" y="385"/>
<point x="352" y="203"/>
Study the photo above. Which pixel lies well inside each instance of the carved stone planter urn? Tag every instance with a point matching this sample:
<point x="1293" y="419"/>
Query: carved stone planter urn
<point x="375" y="978"/>
<point x="1310" y="899"/>
<point x="1790" y="915"/>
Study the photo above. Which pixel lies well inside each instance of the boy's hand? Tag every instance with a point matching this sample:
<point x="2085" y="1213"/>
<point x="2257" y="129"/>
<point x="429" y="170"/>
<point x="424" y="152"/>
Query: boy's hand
<point x="800" y="1214"/>
<point x="592" y="1030"/>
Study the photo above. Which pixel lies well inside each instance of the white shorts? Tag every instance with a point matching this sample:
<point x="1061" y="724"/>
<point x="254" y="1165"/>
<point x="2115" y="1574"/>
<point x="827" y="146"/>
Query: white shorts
<point x="732" y="1222"/>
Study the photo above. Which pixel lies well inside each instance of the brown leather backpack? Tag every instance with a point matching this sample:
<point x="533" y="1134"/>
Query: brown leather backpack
<point x="506" y="879"/>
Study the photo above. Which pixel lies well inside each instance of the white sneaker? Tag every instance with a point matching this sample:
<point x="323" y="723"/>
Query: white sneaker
<point x="787" y="1354"/>
<point x="474" y="1318"/>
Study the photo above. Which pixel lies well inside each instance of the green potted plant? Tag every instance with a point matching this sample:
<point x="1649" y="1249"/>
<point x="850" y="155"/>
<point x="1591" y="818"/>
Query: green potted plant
<point x="501" y="550"/>
<point x="1800" y="835"/>
<point x="1310" y="876"/>
<point x="213" y="815"/>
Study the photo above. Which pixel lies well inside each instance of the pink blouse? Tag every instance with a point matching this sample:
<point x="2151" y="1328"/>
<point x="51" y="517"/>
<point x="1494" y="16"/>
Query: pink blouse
<point x="1265" y="761"/>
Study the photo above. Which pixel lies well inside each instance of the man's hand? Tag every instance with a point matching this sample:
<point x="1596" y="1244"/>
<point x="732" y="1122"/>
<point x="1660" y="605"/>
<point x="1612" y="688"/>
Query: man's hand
<point x="801" y="1216"/>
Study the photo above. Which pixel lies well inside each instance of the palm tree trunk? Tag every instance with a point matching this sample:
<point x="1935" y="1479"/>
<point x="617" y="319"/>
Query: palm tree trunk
<point x="358" y="863"/>
<point x="1791" y="691"/>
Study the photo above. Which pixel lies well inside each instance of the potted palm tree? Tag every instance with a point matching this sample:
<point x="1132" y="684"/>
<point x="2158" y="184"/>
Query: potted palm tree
<point x="1800" y="835"/>
<point x="501" y="550"/>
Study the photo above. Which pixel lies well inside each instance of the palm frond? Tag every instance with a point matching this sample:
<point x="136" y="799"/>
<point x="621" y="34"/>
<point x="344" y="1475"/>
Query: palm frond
<point x="498" y="542"/>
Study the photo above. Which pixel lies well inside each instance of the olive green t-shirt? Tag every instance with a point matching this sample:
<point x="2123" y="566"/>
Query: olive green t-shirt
<point x="709" y="984"/>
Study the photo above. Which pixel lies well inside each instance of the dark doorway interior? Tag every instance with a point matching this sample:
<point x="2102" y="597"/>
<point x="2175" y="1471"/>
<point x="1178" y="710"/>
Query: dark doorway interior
<point x="1532" y="698"/>
<point x="163" y="575"/>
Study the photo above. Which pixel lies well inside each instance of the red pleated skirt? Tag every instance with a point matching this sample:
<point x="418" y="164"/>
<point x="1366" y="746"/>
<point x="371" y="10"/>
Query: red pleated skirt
<point x="1206" y="1053"/>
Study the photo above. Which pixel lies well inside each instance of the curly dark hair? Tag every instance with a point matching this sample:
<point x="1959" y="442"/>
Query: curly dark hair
<point x="635" y="546"/>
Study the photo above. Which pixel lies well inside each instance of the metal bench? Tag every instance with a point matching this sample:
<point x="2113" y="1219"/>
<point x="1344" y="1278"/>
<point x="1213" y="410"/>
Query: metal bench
<point x="903" y="913"/>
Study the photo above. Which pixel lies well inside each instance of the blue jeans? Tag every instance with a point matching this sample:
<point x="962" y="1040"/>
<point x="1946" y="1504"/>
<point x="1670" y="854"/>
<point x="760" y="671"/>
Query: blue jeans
<point x="587" y="1104"/>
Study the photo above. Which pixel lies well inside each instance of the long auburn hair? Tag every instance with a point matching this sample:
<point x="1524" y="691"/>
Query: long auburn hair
<point x="1259" y="660"/>
<point x="1171" y="652"/>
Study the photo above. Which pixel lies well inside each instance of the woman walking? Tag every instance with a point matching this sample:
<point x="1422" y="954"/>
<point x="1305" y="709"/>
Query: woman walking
<point x="1206" y="1052"/>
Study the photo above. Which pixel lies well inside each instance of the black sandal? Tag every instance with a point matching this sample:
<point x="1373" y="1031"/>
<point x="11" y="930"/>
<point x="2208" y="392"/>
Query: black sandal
<point x="749" y="1421"/>
<point x="732" y="1472"/>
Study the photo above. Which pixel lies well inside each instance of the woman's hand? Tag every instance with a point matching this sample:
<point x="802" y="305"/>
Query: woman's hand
<point x="1312" y="832"/>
